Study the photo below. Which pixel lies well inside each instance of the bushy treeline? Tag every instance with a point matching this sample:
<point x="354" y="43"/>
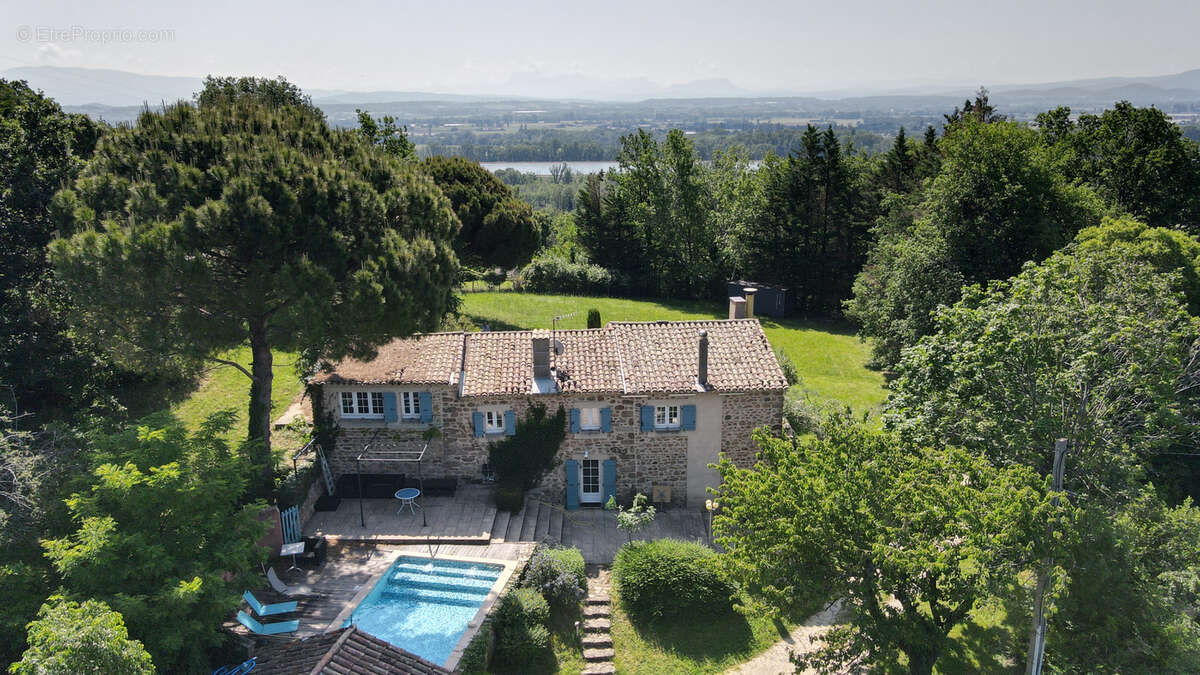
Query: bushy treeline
<point x="605" y="143"/>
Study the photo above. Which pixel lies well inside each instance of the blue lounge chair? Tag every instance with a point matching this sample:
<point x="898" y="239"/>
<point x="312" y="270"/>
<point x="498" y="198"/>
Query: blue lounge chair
<point x="267" y="629"/>
<point x="239" y="669"/>
<point x="268" y="610"/>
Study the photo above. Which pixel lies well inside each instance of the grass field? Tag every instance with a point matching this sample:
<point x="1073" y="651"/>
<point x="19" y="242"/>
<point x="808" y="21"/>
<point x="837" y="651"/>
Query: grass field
<point x="224" y="387"/>
<point x="830" y="358"/>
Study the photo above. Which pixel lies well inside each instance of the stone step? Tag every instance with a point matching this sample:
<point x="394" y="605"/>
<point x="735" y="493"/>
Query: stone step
<point x="500" y="525"/>
<point x="596" y="641"/>
<point x="543" y="523"/>
<point x="604" y="654"/>
<point x="599" y="600"/>
<point x="514" y="526"/>
<point x="529" y="522"/>
<point x="599" y="669"/>
<point x="597" y="625"/>
<point x="556" y="524"/>
<point x="598" y="611"/>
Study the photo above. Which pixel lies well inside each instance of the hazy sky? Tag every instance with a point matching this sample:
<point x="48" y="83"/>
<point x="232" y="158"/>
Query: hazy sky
<point x="450" y="46"/>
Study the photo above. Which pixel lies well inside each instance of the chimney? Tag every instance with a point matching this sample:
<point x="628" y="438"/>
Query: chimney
<point x="541" y="358"/>
<point x="737" y="307"/>
<point x="749" y="292"/>
<point x="702" y="377"/>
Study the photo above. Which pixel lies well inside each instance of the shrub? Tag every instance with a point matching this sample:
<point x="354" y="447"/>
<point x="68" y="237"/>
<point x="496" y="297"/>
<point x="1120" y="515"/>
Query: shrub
<point x="557" y="275"/>
<point x="804" y="416"/>
<point x="521" y="645"/>
<point x="521" y="634"/>
<point x="670" y="578"/>
<point x="475" y="656"/>
<point x="510" y="498"/>
<point x="558" y="575"/>
<point x="788" y="366"/>
<point x="594" y="318"/>
<point x="522" y="607"/>
<point x="523" y="458"/>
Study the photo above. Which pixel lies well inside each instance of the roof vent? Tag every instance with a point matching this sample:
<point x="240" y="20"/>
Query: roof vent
<point x="702" y="375"/>
<point x="737" y="307"/>
<point x="749" y="292"/>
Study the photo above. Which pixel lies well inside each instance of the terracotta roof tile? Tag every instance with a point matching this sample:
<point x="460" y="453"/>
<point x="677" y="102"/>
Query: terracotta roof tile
<point x="348" y="651"/>
<point x="627" y="357"/>
<point x="423" y="359"/>
<point x="664" y="356"/>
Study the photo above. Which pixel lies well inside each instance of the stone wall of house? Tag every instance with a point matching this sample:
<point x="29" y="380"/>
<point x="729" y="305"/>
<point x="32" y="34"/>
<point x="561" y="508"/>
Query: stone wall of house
<point x="643" y="459"/>
<point x="742" y="415"/>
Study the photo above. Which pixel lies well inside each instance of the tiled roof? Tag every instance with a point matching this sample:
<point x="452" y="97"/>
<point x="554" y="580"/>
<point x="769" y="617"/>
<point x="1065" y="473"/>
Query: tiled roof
<point x="501" y="362"/>
<point x="626" y="357"/>
<point x="348" y="651"/>
<point x="664" y="356"/>
<point x="424" y="359"/>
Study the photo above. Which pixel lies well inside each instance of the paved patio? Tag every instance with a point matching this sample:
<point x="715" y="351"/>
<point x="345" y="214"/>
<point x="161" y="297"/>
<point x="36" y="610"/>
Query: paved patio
<point x="594" y="531"/>
<point x="467" y="517"/>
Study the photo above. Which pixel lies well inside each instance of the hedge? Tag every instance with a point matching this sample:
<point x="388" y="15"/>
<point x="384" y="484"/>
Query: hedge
<point x="670" y="578"/>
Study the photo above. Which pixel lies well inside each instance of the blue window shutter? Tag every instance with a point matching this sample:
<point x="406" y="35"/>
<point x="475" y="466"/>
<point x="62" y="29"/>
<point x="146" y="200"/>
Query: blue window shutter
<point x="687" y="418"/>
<point x="510" y="423"/>
<point x="389" y="406"/>
<point x="647" y="418"/>
<point x="572" y="483"/>
<point x="477" y="420"/>
<point x="426" y="400"/>
<point x="606" y="420"/>
<point x="609" y="474"/>
<point x="574" y="420"/>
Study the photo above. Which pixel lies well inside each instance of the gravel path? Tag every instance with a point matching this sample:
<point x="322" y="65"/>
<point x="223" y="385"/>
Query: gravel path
<point x="803" y="639"/>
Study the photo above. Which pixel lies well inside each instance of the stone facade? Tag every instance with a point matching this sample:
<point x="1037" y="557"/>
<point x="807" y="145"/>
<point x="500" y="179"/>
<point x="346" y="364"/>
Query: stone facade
<point x="675" y="459"/>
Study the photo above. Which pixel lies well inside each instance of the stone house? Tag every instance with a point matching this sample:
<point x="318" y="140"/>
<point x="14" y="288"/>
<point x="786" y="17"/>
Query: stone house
<point x="650" y="405"/>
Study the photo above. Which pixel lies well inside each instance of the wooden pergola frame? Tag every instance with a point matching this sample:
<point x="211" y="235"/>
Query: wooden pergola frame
<point x="407" y="456"/>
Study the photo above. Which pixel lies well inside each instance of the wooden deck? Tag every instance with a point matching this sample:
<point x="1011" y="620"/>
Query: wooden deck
<point x="465" y="518"/>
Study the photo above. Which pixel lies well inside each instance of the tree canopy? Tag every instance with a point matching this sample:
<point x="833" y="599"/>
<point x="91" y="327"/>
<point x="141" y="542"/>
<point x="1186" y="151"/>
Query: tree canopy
<point x="158" y="527"/>
<point x="71" y="638"/>
<point x="203" y="227"/>
<point x="498" y="229"/>
<point x="863" y="516"/>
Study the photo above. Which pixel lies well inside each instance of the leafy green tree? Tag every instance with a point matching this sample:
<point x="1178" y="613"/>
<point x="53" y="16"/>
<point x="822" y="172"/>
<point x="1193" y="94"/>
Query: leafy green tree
<point x="1162" y="249"/>
<point x="162" y="538"/>
<point x="498" y="229"/>
<point x="1136" y="158"/>
<point x="384" y="133"/>
<point x="203" y="227"/>
<point x="1092" y="347"/>
<point x="979" y="110"/>
<point x="996" y="203"/>
<point x="910" y="537"/>
<point x="276" y="93"/>
<point x="44" y="368"/>
<point x="652" y="220"/>
<point x="71" y="638"/>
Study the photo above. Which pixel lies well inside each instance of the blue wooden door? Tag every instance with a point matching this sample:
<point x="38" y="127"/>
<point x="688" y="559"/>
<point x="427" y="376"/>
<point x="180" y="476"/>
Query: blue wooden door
<point x="610" y="479"/>
<point x="572" y="469"/>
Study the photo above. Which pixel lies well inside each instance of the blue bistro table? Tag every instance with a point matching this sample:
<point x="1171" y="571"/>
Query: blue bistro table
<point x="408" y="497"/>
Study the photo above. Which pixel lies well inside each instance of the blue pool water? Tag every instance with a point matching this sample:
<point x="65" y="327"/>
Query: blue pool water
<point x="424" y="605"/>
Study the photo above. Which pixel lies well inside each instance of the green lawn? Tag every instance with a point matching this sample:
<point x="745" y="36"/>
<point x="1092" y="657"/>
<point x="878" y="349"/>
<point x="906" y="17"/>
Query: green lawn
<point x="708" y="644"/>
<point x="224" y="387"/>
<point x="830" y="358"/>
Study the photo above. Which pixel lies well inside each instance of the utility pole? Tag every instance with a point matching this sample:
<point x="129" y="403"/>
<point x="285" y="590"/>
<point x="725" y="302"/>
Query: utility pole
<point x="1037" y="634"/>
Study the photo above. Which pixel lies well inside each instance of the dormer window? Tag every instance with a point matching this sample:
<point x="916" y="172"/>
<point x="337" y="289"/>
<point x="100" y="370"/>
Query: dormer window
<point x="362" y="404"/>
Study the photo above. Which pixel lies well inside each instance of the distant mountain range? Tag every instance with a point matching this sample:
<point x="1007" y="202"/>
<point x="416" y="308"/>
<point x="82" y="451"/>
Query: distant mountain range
<point x="98" y="88"/>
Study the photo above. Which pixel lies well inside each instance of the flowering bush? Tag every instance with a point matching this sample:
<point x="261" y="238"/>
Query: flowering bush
<point x="558" y="574"/>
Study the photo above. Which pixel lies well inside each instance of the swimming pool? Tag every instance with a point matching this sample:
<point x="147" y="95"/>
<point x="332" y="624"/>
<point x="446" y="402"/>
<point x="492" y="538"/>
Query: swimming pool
<point x="425" y="606"/>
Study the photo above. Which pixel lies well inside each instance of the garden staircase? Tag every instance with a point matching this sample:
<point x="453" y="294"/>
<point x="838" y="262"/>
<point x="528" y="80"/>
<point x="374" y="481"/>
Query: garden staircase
<point x="536" y="521"/>
<point x="597" y="624"/>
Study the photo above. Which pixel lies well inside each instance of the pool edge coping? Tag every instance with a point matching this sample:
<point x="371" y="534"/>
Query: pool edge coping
<point x="473" y="626"/>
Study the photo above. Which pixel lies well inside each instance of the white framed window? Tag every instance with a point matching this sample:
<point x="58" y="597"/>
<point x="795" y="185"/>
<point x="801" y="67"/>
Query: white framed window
<point x="410" y="405"/>
<point x="589" y="419"/>
<point x="493" y="421"/>
<point x="666" y="417"/>
<point x="362" y="404"/>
